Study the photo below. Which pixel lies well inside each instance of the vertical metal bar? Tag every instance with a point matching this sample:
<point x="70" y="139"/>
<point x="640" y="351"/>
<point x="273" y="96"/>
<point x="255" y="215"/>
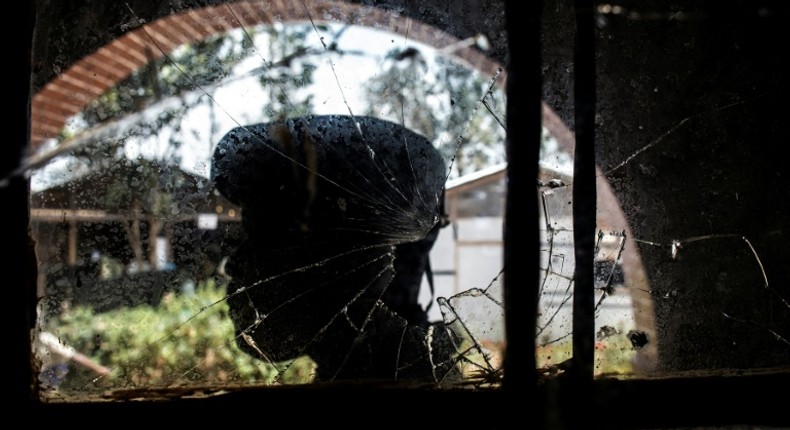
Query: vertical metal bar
<point x="521" y="231"/>
<point x="584" y="210"/>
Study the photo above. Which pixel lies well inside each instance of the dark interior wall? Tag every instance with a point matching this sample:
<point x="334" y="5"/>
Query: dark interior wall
<point x="696" y="93"/>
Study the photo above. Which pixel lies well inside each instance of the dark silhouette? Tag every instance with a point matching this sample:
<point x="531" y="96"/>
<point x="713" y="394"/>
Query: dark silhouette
<point x="340" y="213"/>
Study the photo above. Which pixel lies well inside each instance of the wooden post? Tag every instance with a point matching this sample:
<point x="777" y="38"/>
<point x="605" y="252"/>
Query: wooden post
<point x="72" y="256"/>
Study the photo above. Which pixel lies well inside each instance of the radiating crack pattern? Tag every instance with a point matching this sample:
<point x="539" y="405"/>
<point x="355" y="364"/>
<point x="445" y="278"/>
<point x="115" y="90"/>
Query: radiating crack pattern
<point x="338" y="213"/>
<point x="336" y="216"/>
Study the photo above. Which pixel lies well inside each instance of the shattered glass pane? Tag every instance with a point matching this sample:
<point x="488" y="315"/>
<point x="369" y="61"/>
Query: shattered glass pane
<point x="269" y="192"/>
<point x="614" y="310"/>
<point x="476" y="317"/>
<point x="255" y="200"/>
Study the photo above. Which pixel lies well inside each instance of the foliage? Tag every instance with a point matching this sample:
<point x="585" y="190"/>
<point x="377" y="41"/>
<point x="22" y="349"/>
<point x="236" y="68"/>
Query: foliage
<point x="190" y="339"/>
<point x="185" y="340"/>
<point x="441" y="107"/>
<point x="187" y="68"/>
<point x="290" y="72"/>
<point x="613" y="355"/>
<point x="151" y="105"/>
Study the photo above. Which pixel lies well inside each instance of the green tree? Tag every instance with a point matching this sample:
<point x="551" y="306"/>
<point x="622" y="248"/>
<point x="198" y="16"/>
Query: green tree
<point x="443" y="102"/>
<point x="289" y="72"/>
<point x="153" y="101"/>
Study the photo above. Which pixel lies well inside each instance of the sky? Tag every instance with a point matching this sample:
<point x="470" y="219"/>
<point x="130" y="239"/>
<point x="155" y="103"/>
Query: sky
<point x="239" y="100"/>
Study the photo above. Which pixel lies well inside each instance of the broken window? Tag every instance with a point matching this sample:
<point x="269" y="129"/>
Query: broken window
<point x="354" y="229"/>
<point x="255" y="202"/>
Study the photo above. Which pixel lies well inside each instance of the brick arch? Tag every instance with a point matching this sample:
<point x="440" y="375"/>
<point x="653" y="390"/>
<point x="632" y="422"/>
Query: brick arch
<point x="71" y="91"/>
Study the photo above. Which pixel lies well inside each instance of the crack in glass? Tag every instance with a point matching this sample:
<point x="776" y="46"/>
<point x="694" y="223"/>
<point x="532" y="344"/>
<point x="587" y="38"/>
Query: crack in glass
<point x="332" y="215"/>
<point x="284" y="193"/>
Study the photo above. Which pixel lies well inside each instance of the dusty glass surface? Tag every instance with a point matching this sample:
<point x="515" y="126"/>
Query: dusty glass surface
<point x="257" y="192"/>
<point x="689" y="112"/>
<point x="265" y="193"/>
<point x="254" y="201"/>
<point x="690" y="253"/>
<point x="616" y="316"/>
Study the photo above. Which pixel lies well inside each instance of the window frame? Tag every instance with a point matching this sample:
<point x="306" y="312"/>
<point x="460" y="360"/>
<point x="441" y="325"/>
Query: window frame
<point x="746" y="397"/>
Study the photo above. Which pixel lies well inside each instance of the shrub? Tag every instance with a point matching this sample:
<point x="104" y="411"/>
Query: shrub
<point x="185" y="340"/>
